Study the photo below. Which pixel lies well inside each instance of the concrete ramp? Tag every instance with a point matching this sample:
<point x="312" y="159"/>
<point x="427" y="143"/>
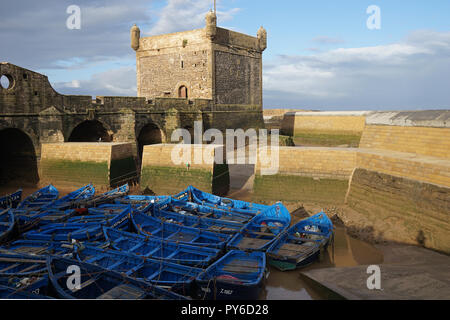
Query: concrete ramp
<point x="407" y="272"/>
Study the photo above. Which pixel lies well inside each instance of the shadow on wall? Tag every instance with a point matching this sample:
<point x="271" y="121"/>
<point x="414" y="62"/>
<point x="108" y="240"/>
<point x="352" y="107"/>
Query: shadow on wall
<point x="18" y="162"/>
<point x="287" y="124"/>
<point x="90" y="131"/>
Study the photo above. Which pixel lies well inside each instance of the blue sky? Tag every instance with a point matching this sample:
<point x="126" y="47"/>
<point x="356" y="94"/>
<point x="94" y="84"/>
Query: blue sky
<point x="320" y="54"/>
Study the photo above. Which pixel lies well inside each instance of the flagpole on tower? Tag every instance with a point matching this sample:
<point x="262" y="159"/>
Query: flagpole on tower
<point x="214" y="6"/>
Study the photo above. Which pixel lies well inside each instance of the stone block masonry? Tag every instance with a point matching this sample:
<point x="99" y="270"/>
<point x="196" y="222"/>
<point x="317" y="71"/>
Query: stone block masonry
<point x="309" y="174"/>
<point x="163" y="174"/>
<point x="325" y="128"/>
<point x="77" y="164"/>
<point x="400" y="209"/>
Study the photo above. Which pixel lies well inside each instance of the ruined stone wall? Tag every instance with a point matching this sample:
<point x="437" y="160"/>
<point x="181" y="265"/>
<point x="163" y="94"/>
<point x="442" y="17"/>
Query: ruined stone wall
<point x="163" y="175"/>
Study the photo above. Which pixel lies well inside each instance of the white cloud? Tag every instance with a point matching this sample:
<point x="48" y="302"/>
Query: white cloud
<point x="181" y="15"/>
<point x="410" y="74"/>
<point x="115" y="82"/>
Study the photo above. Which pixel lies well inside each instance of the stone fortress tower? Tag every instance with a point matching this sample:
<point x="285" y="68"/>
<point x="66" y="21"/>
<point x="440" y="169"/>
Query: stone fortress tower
<point x="211" y="63"/>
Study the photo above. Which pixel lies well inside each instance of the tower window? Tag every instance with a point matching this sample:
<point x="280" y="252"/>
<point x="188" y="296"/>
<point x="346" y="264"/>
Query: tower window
<point x="182" y="64"/>
<point x="182" y="92"/>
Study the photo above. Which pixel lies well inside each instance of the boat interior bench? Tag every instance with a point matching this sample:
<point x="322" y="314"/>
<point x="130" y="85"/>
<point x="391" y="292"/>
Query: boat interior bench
<point x="123" y="291"/>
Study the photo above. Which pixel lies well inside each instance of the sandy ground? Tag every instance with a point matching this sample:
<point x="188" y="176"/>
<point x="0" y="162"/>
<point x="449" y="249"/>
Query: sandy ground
<point x="407" y="272"/>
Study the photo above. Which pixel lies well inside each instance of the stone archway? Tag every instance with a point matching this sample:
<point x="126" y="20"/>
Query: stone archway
<point x="90" y="131"/>
<point x="149" y="134"/>
<point x="18" y="163"/>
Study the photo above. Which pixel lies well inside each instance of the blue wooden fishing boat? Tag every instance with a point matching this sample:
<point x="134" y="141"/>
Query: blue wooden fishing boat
<point x="39" y="199"/>
<point x="137" y="199"/>
<point x="11" y="200"/>
<point x="187" y="207"/>
<point x="195" y="256"/>
<point x="87" y="211"/>
<point x="201" y="222"/>
<point x="37" y="247"/>
<point x="107" y="197"/>
<point x="302" y="243"/>
<point x="14" y="293"/>
<point x="99" y="283"/>
<point x="25" y="285"/>
<point x="195" y="195"/>
<point x="258" y="234"/>
<point x="52" y="211"/>
<point x="80" y="231"/>
<point x="6" y="224"/>
<point x="73" y="199"/>
<point x="238" y="275"/>
<point x="176" y="277"/>
<point x="20" y="265"/>
<point x="153" y="227"/>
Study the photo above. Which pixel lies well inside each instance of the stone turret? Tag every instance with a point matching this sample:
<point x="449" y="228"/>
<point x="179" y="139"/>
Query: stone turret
<point x="211" y="25"/>
<point x="262" y="38"/>
<point x="135" y="35"/>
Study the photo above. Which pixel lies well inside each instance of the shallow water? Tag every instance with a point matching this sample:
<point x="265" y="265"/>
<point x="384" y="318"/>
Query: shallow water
<point x="288" y="285"/>
<point x="344" y="252"/>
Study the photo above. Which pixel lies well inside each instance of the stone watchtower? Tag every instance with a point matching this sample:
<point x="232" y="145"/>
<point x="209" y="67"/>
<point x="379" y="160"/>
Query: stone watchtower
<point x="212" y="63"/>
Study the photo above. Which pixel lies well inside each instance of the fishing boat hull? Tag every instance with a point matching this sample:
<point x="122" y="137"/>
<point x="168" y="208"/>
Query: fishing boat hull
<point x="99" y="283"/>
<point x="6" y="224"/>
<point x="291" y="263"/>
<point x="302" y="244"/>
<point x="165" y="250"/>
<point x="236" y="276"/>
<point x="177" y="278"/>
<point x="11" y="200"/>
<point x="155" y="228"/>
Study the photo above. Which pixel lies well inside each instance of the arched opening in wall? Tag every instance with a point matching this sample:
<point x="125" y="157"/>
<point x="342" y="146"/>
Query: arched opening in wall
<point x="18" y="163"/>
<point x="150" y="134"/>
<point x="191" y="132"/>
<point x="183" y="92"/>
<point x="90" y="131"/>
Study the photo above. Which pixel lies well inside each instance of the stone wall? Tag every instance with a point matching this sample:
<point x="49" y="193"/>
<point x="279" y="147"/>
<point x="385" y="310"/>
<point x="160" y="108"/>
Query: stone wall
<point x="76" y="164"/>
<point x="407" y="165"/>
<point x="421" y="140"/>
<point x="166" y="62"/>
<point x="400" y="209"/>
<point x="325" y="128"/>
<point x="305" y="174"/>
<point x="238" y="79"/>
<point x="165" y="171"/>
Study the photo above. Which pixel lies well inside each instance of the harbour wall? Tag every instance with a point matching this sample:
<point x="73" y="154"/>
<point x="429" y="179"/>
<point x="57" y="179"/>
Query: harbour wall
<point x="170" y="168"/>
<point x="325" y="128"/>
<point x="78" y="163"/>
<point x="397" y="182"/>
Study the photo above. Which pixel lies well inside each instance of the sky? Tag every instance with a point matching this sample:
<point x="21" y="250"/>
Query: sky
<point x="321" y="54"/>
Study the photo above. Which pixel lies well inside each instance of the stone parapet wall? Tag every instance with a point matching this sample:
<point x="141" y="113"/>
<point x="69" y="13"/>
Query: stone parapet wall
<point x="295" y="123"/>
<point x="413" y="139"/>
